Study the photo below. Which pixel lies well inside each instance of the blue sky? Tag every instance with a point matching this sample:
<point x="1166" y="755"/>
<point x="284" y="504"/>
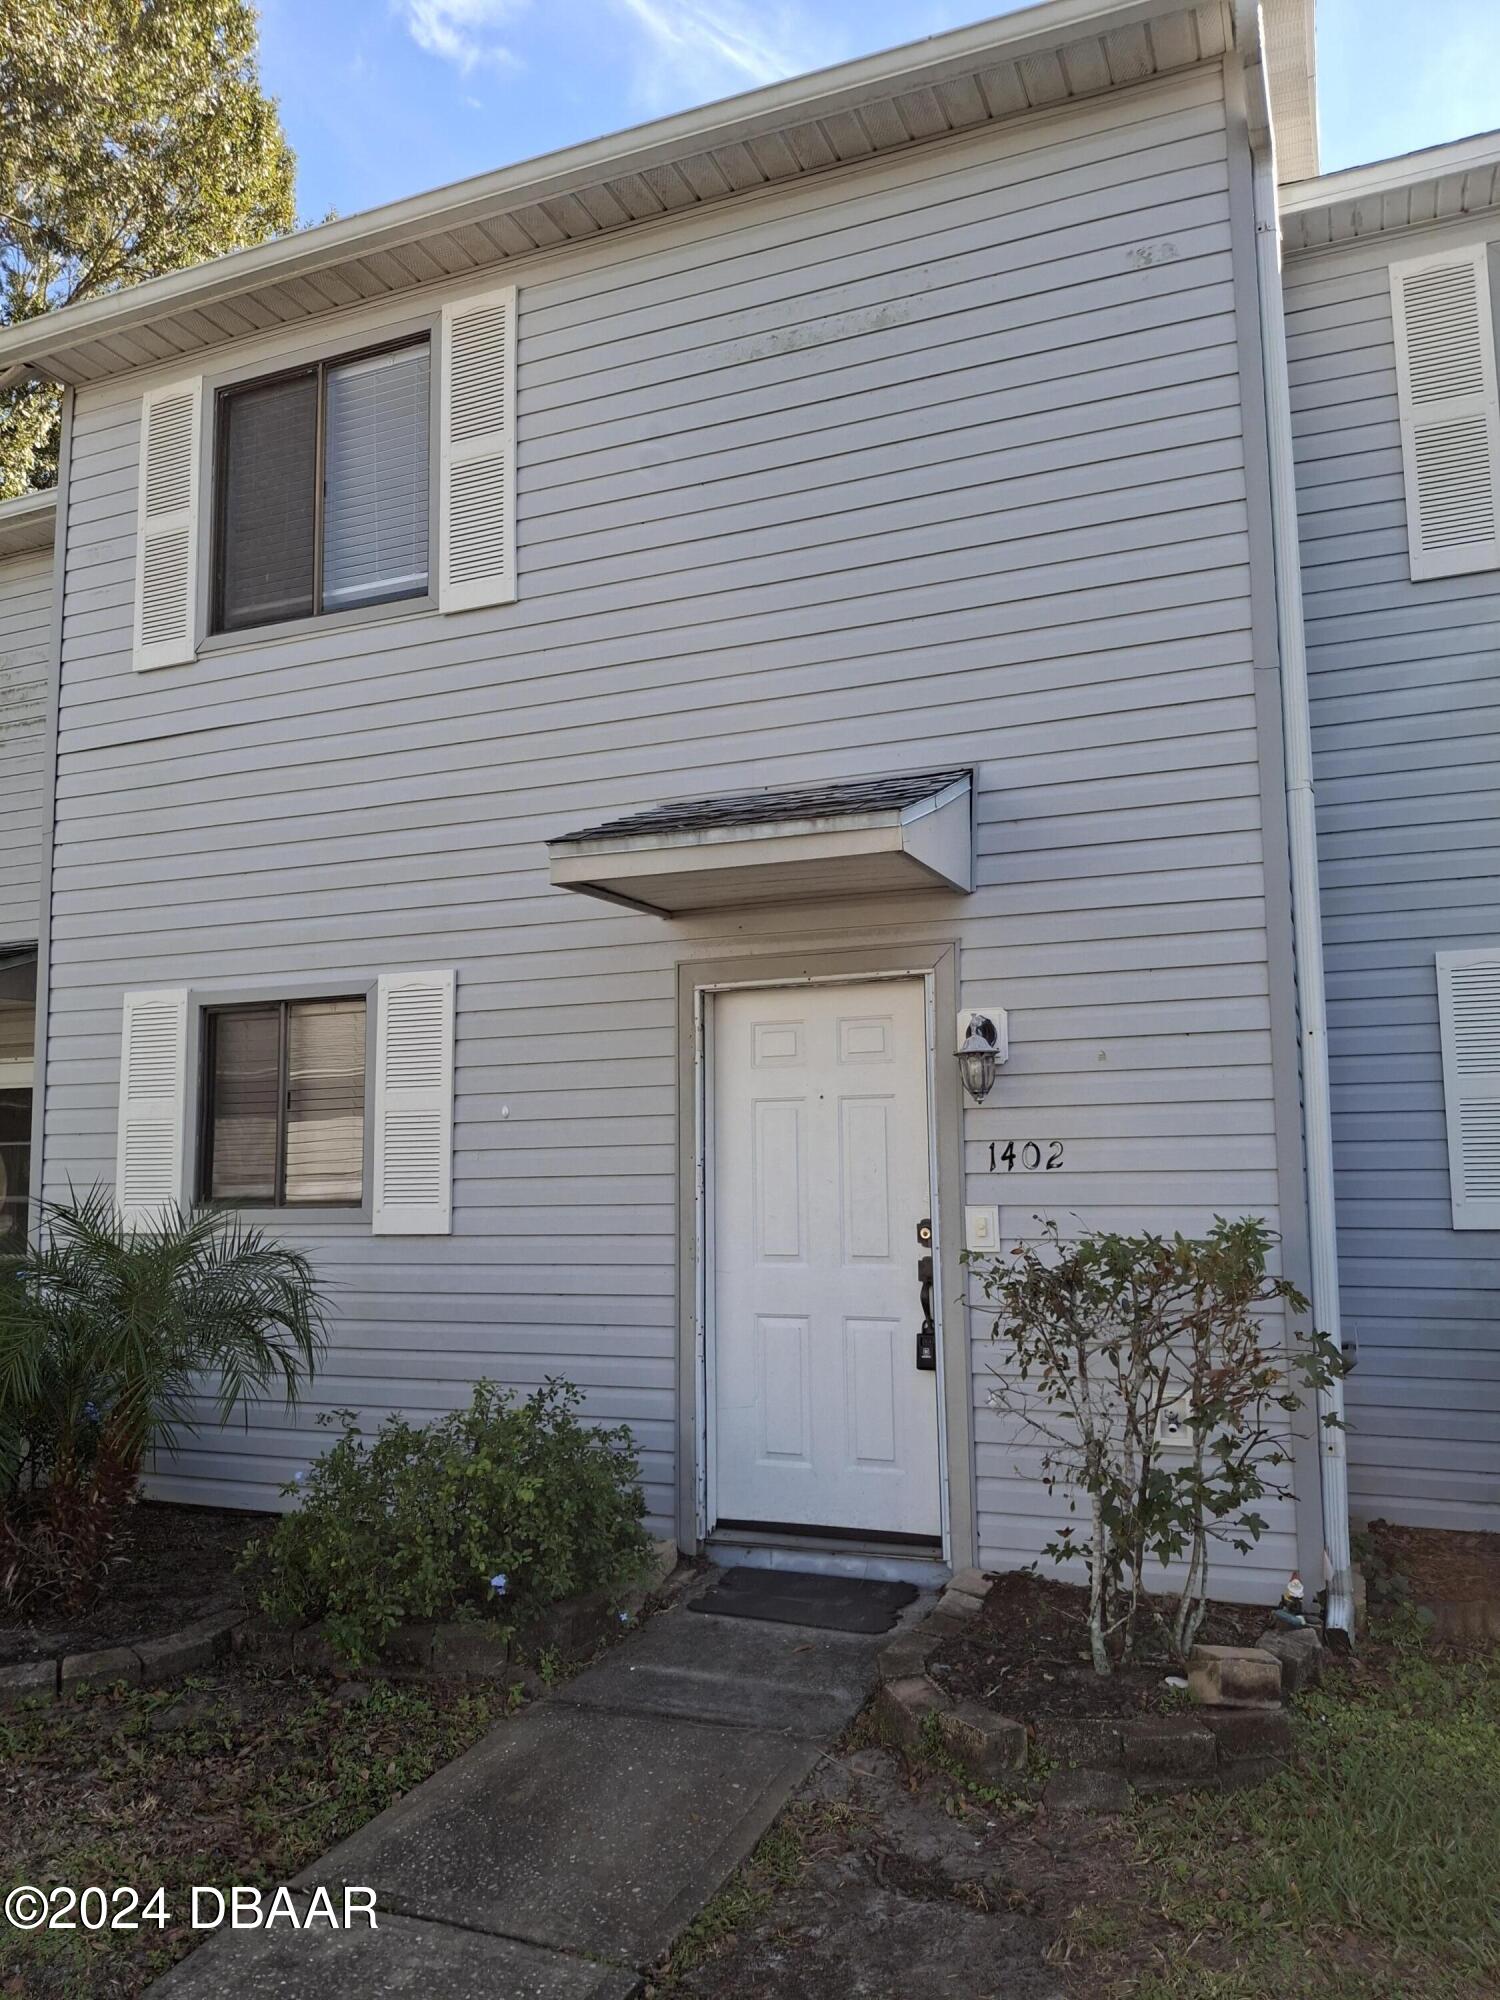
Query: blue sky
<point x="383" y="98"/>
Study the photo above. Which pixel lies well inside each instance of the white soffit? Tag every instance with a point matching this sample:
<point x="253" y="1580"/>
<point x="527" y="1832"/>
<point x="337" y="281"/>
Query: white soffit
<point x="871" y="836"/>
<point x="1032" y="60"/>
<point x="1291" y="60"/>
<point x="1411" y="191"/>
<point x="27" y="524"/>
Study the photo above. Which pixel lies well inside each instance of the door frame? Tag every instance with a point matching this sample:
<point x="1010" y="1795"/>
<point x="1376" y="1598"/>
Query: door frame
<point x="935" y="965"/>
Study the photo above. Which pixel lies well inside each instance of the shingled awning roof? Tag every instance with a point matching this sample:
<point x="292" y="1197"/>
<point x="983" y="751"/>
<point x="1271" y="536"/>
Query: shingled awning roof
<point x="859" y="837"/>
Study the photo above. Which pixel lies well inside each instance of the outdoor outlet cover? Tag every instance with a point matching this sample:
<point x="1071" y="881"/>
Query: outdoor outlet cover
<point x="981" y="1229"/>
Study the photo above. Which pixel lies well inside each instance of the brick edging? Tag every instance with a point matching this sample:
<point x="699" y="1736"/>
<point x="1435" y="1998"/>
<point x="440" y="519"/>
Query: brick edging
<point x="1090" y="1763"/>
<point x="460" y="1648"/>
<point x="143" y="1663"/>
<point x="1463" y="1620"/>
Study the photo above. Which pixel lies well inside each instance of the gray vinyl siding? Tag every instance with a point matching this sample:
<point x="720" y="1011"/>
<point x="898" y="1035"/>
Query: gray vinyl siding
<point x="929" y="463"/>
<point x="25" y="654"/>
<point x="1406" y="731"/>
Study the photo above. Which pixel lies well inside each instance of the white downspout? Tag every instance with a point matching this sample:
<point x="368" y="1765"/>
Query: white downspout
<point x="1307" y="921"/>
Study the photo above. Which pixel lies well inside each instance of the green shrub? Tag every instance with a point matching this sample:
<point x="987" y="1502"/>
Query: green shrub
<point x="494" y="1511"/>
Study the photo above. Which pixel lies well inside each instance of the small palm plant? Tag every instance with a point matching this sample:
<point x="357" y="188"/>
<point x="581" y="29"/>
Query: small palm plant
<point x="114" y="1340"/>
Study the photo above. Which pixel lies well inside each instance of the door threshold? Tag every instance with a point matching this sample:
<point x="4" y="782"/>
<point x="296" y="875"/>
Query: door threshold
<point x="885" y="1561"/>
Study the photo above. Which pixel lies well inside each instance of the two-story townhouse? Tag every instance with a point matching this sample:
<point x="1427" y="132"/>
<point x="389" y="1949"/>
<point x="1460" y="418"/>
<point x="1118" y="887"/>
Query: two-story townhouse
<point x="27" y="652"/>
<point x="578" y="689"/>
<point x="1392" y="287"/>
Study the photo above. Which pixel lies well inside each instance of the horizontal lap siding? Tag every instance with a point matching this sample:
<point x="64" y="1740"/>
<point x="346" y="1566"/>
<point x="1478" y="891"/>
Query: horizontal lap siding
<point x="25" y="669"/>
<point x="932" y="464"/>
<point x="1406" y="730"/>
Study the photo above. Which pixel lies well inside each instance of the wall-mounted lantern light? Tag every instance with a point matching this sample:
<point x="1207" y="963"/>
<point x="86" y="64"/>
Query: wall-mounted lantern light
<point x="983" y="1044"/>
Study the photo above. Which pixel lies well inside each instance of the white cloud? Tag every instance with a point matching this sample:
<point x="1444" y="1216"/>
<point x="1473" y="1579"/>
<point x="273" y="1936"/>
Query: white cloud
<point x="711" y="47"/>
<point x="463" y="31"/>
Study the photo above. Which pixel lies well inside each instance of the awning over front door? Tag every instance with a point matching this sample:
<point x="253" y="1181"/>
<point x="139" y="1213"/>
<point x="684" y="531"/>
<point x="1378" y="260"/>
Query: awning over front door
<point x="861" y="837"/>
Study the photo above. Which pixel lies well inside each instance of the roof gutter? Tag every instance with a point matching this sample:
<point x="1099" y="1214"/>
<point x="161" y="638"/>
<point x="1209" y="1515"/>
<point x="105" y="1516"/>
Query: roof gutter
<point x="1307" y="921"/>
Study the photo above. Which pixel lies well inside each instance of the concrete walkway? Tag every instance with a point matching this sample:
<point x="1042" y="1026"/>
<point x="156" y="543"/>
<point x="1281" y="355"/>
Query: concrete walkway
<point x="560" y="1856"/>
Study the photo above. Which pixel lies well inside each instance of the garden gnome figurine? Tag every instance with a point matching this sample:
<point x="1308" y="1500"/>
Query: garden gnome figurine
<point x="1289" y="1611"/>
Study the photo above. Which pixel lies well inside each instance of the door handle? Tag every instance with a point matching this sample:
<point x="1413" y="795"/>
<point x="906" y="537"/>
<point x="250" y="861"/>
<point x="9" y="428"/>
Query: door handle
<point x="927" y="1338"/>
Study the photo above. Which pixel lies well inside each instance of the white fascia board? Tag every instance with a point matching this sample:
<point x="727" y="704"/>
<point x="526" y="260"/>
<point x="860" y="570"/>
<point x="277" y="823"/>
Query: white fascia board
<point x="823" y="93"/>
<point x="1382" y="177"/>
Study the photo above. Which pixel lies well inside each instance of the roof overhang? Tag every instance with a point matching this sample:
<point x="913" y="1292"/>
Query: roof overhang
<point x="1412" y="191"/>
<point x="1290" y="55"/>
<point x="1036" y="59"/>
<point x="27" y="524"/>
<point x="868" y="838"/>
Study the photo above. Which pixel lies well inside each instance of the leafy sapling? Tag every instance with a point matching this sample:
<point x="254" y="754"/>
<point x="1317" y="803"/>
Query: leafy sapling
<point x="1158" y="1377"/>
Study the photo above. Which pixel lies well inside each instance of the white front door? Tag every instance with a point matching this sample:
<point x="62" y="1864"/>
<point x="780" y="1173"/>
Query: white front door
<point x="820" y="1416"/>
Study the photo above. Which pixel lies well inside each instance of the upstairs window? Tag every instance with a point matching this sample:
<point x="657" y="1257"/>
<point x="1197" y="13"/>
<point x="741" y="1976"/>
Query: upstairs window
<point x="284" y="1104"/>
<point x="323" y="493"/>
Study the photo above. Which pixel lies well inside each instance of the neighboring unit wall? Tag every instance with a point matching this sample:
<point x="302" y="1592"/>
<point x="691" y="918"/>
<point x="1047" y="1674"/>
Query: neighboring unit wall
<point x="934" y="463"/>
<point x="25" y="648"/>
<point x="1405" y="680"/>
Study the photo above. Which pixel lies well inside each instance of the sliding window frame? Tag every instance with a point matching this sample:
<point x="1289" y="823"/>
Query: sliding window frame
<point x="317" y="371"/>
<point x="213" y="1012"/>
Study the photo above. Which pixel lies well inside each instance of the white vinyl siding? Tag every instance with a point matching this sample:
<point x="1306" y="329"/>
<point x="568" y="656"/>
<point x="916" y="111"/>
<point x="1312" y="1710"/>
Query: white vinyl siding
<point x="910" y="467"/>
<point x="377" y="478"/>
<point x="1450" y="413"/>
<point x="1469" y="1015"/>
<point x="167" y="528"/>
<point x="477" y="535"/>
<point x="1407" y="767"/>
<point x="25" y="648"/>
<point x="153" y="1077"/>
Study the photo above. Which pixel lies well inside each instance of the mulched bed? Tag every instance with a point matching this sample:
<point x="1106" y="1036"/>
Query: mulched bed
<point x="1026" y="1654"/>
<point x="173" y="1564"/>
<point x="1460" y="1566"/>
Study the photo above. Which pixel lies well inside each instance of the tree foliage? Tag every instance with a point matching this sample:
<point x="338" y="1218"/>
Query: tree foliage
<point x="134" y="140"/>
<point x="1157" y="1377"/>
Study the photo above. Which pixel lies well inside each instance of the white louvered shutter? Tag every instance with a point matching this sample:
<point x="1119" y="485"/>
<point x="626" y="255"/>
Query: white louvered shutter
<point x="1450" y="413"/>
<point x="166" y="612"/>
<point x="414" y="1104"/>
<point x="153" y="1077"/>
<point x="477" y="453"/>
<point x="1469" y="1013"/>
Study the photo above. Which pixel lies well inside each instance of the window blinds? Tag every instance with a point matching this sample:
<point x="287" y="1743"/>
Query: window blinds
<point x="376" y="479"/>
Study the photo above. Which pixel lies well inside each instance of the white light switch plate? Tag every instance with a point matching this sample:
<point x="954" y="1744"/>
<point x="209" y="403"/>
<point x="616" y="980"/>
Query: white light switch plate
<point x="981" y="1229"/>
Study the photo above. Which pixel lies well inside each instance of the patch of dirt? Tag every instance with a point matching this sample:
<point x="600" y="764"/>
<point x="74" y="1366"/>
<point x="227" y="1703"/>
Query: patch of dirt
<point x="172" y="1564"/>
<point x="1027" y="1654"/>
<point x="901" y="1886"/>
<point x="1442" y="1564"/>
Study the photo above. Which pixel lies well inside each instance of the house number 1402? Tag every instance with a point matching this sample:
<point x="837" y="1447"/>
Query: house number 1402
<point x="1031" y="1156"/>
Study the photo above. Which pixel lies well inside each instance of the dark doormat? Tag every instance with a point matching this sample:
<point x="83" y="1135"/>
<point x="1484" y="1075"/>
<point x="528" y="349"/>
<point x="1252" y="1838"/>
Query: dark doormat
<point x="797" y="1597"/>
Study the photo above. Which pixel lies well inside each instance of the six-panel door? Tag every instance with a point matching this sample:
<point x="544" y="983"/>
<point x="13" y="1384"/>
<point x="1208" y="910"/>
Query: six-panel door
<point x="820" y="1415"/>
